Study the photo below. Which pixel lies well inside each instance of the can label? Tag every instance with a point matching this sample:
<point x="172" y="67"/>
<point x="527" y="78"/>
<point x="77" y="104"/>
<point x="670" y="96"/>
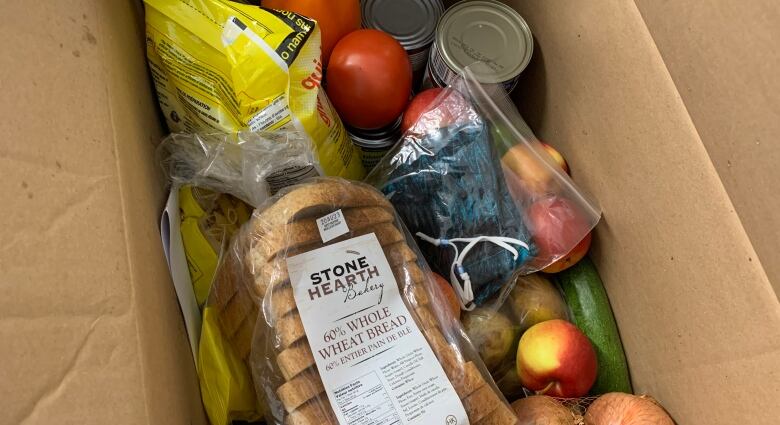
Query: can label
<point x="371" y="157"/>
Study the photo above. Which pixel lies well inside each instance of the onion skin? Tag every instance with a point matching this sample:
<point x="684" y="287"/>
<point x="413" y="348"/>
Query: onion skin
<point x="542" y="410"/>
<point x="626" y="409"/>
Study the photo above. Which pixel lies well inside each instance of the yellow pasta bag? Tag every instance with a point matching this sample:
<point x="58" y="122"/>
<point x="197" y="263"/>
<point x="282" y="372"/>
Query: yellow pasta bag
<point x="224" y="66"/>
<point x="208" y="219"/>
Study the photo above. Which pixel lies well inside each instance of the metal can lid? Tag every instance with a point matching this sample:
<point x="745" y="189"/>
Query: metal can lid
<point x="411" y="22"/>
<point x="380" y="138"/>
<point x="485" y="31"/>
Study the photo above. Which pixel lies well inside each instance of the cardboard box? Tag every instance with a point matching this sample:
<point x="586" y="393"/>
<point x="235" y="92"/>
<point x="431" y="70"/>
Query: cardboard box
<point x="666" y="112"/>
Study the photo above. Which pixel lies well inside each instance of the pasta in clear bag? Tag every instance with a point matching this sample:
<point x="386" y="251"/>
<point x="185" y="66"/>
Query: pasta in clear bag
<point x="325" y="294"/>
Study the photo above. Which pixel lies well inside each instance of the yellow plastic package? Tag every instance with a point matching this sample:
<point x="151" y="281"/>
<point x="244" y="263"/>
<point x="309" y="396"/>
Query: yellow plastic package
<point x="208" y="219"/>
<point x="221" y="65"/>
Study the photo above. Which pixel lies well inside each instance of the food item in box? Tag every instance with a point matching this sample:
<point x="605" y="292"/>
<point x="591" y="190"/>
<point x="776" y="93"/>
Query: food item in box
<point x="443" y="181"/>
<point x="543" y="410"/>
<point x="559" y="159"/>
<point x="411" y="22"/>
<point x="558" y="225"/>
<point x="343" y="298"/>
<point x="479" y="225"/>
<point x="483" y="30"/>
<point x="557" y="359"/>
<point x="591" y="312"/>
<point x="573" y="257"/>
<point x="449" y="294"/>
<point x="224" y="66"/>
<point x="534" y="299"/>
<point x="208" y="219"/>
<point x="374" y="144"/>
<point x="369" y="79"/>
<point x="492" y="334"/>
<point x="336" y="18"/>
<point x="626" y="409"/>
<point x="430" y="101"/>
<point x="251" y="166"/>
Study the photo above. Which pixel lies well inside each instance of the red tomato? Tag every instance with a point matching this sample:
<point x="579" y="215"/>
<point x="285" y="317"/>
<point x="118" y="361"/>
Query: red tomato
<point x="336" y="18"/>
<point x="369" y="79"/>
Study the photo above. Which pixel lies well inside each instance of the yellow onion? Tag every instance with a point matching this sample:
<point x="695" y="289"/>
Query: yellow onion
<point x="626" y="409"/>
<point x="543" y="410"/>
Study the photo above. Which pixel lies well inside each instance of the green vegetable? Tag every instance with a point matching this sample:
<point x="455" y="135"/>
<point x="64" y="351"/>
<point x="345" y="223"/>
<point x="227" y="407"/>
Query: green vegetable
<point x="588" y="302"/>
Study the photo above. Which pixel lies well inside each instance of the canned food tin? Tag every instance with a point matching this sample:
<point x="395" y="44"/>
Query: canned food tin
<point x="374" y="144"/>
<point x="411" y="22"/>
<point x="480" y="31"/>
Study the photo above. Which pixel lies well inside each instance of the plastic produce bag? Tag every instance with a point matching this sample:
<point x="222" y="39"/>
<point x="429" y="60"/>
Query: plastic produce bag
<point x="222" y="66"/>
<point x="207" y="169"/>
<point x="471" y="181"/>
<point x="248" y="165"/>
<point x="350" y="326"/>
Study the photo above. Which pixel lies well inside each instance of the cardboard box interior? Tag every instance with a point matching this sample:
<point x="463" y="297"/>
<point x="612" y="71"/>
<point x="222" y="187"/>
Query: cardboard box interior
<point x="90" y="326"/>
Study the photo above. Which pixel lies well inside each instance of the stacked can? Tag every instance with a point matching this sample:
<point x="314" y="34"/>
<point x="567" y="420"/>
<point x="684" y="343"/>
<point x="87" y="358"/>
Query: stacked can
<point x="411" y="22"/>
<point x="483" y="31"/>
<point x="374" y="144"/>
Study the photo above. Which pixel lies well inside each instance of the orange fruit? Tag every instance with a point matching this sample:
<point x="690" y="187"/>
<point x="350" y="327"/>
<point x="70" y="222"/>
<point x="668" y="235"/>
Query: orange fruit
<point x="336" y="18"/>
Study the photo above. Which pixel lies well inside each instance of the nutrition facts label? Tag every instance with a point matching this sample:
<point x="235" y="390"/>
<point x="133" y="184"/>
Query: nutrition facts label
<point x="365" y="401"/>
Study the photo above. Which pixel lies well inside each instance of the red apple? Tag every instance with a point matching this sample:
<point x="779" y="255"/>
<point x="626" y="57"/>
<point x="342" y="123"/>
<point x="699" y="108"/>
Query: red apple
<point x="421" y="104"/>
<point x="557" y="226"/>
<point x="556" y="359"/>
<point x="572" y="257"/>
<point x="450" y="297"/>
<point x="435" y="108"/>
<point x="559" y="159"/>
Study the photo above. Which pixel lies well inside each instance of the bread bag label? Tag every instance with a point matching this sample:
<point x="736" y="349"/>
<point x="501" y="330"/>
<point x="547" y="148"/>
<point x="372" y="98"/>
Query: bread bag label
<point x="375" y="364"/>
<point x="332" y="226"/>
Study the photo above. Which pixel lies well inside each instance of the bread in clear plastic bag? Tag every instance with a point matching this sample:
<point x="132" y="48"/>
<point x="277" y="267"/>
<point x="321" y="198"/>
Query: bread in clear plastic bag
<point x="300" y="369"/>
<point x="470" y="179"/>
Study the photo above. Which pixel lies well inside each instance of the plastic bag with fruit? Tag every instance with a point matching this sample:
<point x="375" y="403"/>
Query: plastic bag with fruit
<point x="556" y="338"/>
<point x="478" y="225"/>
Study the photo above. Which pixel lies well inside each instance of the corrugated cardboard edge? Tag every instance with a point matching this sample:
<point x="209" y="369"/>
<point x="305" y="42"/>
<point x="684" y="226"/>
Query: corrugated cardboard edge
<point x="170" y="382"/>
<point x="88" y="317"/>
<point x="697" y="313"/>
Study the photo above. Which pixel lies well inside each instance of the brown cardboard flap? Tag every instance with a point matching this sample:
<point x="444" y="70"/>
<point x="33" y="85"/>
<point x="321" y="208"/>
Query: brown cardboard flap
<point x="697" y="314"/>
<point x="723" y="56"/>
<point x="89" y="324"/>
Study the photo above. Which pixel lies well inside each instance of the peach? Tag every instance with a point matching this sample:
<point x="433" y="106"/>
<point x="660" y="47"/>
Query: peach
<point x="555" y="358"/>
<point x="575" y="255"/>
<point x="557" y="157"/>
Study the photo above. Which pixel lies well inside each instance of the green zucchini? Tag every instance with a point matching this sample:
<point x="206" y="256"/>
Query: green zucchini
<point x="591" y="312"/>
